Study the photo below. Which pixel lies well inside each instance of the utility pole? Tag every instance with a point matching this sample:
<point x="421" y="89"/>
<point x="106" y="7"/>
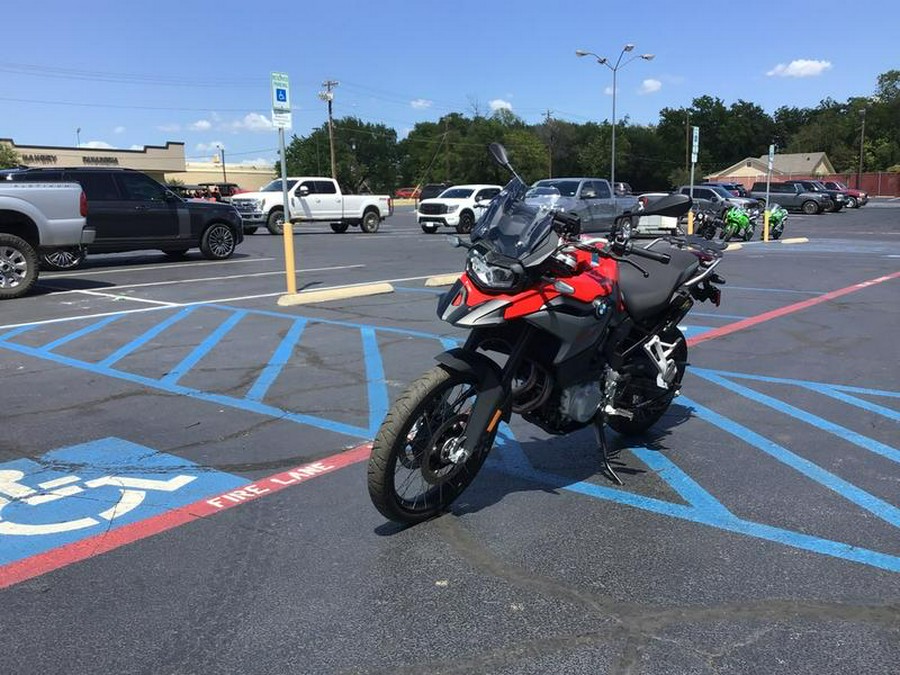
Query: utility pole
<point x="224" y="175"/>
<point x="547" y="121"/>
<point x="446" y="152"/>
<point x="862" y="140"/>
<point x="328" y="97"/>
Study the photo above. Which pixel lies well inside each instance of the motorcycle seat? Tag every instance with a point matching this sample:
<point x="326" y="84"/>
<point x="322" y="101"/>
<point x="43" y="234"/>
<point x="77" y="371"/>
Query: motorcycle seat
<point x="644" y="297"/>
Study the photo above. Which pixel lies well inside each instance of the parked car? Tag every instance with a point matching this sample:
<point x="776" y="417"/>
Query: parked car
<point x="837" y="197"/>
<point x="37" y="219"/>
<point x="458" y="207"/>
<point x="590" y="199"/>
<point x="407" y="193"/>
<point x="432" y="190"/>
<point x="708" y="197"/>
<point x="791" y="196"/>
<point x="854" y="198"/>
<point x="132" y="212"/>
<point x="225" y="191"/>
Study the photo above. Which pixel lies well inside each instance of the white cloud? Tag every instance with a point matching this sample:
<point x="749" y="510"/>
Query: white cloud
<point x="650" y="86"/>
<point x="169" y="127"/>
<point x="212" y="146"/>
<point x="119" y="130"/>
<point x="800" y="68"/>
<point x="136" y="147"/>
<point x="97" y="145"/>
<point x="608" y="91"/>
<point x="421" y="103"/>
<point x="201" y="125"/>
<point x="250" y="122"/>
<point x="499" y="104"/>
<point x="259" y="161"/>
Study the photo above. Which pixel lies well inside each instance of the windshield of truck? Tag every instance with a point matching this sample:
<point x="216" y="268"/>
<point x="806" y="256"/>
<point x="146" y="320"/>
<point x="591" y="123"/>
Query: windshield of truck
<point x="275" y="186"/>
<point x="719" y="190"/>
<point x="456" y="193"/>
<point x="511" y="226"/>
<point x="567" y="188"/>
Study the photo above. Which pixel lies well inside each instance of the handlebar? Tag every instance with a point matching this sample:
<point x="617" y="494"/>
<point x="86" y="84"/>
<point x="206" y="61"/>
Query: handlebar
<point x="647" y="253"/>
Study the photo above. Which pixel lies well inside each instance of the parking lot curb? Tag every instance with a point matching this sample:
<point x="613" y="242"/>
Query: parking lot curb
<point x="795" y="240"/>
<point x="733" y="247"/>
<point x="441" y="280"/>
<point x="308" y="297"/>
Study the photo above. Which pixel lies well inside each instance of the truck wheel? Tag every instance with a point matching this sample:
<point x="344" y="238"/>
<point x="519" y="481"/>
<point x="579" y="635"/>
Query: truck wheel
<point x="62" y="259"/>
<point x="466" y="221"/>
<point x="18" y="266"/>
<point x="810" y="208"/>
<point x="217" y="242"/>
<point x="275" y="223"/>
<point x="340" y="228"/>
<point x="370" y="221"/>
<point x="429" y="229"/>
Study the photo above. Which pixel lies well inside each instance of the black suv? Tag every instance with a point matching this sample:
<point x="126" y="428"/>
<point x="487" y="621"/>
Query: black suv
<point x="131" y="212"/>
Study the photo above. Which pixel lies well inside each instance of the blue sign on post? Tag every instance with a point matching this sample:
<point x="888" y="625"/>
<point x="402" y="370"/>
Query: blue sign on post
<point x="281" y="95"/>
<point x="80" y="491"/>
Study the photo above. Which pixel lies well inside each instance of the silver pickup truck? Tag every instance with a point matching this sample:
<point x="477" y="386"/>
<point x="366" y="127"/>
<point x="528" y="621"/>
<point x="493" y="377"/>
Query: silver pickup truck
<point x="588" y="198"/>
<point x="37" y="218"/>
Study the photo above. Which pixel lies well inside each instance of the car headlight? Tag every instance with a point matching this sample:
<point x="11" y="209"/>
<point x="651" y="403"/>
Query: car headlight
<point x="451" y="209"/>
<point x="489" y="275"/>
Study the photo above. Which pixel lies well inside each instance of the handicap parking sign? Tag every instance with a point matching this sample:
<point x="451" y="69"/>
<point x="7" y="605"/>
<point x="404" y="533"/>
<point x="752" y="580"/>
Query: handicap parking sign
<point x="281" y="95"/>
<point x="83" y="490"/>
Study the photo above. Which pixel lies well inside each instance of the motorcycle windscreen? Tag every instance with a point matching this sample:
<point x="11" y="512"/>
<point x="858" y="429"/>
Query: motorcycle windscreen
<point x="511" y="226"/>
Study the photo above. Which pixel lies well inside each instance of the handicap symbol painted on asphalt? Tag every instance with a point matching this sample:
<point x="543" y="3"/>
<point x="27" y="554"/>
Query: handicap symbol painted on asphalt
<point x="83" y="490"/>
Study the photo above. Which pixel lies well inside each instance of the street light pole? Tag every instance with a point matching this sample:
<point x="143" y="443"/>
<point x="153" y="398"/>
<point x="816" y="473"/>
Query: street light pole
<point x="224" y="176"/>
<point x="603" y="61"/>
<point x="862" y="140"/>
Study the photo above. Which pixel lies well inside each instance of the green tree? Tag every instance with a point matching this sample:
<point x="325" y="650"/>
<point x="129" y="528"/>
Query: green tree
<point x="9" y="158"/>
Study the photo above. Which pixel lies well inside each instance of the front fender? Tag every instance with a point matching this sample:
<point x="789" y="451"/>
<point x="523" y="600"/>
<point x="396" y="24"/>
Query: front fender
<point x="491" y="394"/>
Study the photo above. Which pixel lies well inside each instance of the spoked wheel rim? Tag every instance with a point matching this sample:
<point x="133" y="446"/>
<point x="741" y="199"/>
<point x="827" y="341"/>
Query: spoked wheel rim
<point x="221" y="241"/>
<point x="13" y="267"/>
<point x="424" y="470"/>
<point x="64" y="259"/>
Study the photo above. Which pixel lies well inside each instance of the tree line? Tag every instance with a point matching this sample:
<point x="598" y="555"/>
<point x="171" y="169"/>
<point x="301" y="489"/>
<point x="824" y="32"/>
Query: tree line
<point x="454" y="149"/>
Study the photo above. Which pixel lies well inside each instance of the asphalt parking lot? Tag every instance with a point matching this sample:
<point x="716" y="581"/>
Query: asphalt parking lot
<point x="182" y="477"/>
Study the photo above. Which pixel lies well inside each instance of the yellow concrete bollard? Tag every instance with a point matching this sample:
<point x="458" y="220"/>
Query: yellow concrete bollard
<point x="766" y="225"/>
<point x="690" y="223"/>
<point x="289" y="266"/>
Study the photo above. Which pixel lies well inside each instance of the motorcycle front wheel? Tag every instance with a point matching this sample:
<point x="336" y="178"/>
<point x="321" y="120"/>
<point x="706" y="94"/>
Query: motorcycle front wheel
<point x="412" y="475"/>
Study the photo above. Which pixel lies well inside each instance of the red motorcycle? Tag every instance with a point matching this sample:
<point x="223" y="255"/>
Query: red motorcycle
<point x="565" y="331"/>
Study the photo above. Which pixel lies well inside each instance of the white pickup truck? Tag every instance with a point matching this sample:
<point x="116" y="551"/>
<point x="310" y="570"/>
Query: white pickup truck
<point x="37" y="218"/>
<point x="311" y="199"/>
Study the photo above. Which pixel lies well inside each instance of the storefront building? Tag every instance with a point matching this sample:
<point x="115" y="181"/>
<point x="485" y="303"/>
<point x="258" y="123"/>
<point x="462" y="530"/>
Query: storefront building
<point x="154" y="160"/>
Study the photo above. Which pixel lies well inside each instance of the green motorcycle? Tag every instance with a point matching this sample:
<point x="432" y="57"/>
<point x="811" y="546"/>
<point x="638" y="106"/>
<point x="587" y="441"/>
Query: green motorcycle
<point x="777" y="220"/>
<point x="737" y="223"/>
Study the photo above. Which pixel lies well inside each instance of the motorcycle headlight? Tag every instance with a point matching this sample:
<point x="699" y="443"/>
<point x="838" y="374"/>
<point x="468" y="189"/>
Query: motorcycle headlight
<point x="487" y="274"/>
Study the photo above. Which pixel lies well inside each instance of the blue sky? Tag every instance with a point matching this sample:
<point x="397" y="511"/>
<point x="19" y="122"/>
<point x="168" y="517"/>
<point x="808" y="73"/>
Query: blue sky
<point x="135" y="73"/>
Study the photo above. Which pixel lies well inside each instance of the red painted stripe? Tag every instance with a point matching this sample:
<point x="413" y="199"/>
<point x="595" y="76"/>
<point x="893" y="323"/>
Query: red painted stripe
<point x="788" y="309"/>
<point x="28" y="568"/>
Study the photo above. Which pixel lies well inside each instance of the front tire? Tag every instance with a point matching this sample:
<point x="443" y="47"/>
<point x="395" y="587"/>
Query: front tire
<point x="217" y="242"/>
<point x="852" y="203"/>
<point x="18" y="266"/>
<point x="62" y="259"/>
<point x="644" y="399"/>
<point x="466" y="222"/>
<point x="275" y="222"/>
<point x="410" y="449"/>
<point x="339" y="228"/>
<point x="810" y="208"/>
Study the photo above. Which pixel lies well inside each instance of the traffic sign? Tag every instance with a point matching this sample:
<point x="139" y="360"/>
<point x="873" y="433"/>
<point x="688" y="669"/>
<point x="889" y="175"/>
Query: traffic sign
<point x="281" y="93"/>
<point x="282" y="120"/>
<point x="771" y="156"/>
<point x="696" y="145"/>
<point x="694" y="158"/>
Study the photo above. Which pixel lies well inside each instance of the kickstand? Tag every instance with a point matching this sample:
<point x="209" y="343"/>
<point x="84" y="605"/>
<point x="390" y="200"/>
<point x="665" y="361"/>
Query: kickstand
<point x="603" y="447"/>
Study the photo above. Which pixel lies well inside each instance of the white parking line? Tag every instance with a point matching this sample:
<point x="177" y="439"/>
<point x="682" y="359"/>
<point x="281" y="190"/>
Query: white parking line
<point x="194" y="281"/>
<point x="60" y="275"/>
<point x="115" y="296"/>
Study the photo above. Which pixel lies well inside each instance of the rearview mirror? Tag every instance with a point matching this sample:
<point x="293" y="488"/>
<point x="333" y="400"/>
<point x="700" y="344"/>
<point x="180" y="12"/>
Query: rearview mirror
<point x="671" y="205"/>
<point x="303" y="191"/>
<point x="498" y="152"/>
